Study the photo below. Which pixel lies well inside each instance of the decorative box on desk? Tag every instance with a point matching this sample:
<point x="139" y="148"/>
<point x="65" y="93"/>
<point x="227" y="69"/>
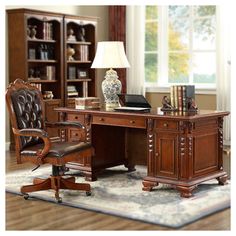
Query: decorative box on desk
<point x="87" y="103"/>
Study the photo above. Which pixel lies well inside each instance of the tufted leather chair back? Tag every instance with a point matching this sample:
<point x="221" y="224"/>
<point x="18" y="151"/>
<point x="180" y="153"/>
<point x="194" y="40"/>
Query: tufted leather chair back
<point x="26" y="110"/>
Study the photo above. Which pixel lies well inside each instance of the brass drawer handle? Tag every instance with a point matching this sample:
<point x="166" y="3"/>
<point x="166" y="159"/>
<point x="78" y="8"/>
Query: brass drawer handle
<point x="165" y="125"/>
<point x="101" y="119"/>
<point x="132" y="122"/>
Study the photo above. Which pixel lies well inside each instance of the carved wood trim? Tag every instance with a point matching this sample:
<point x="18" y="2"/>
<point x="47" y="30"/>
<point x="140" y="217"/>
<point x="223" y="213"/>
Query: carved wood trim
<point x="220" y="142"/>
<point x="88" y="123"/>
<point x="63" y="135"/>
<point x="150" y="145"/>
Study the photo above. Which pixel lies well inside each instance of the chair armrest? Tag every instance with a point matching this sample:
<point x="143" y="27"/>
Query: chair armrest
<point x="64" y="124"/>
<point x="36" y="133"/>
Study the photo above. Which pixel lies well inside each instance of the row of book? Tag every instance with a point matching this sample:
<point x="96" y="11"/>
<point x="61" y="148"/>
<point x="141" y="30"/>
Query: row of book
<point x="47" y="31"/>
<point x="180" y="95"/>
<point x="43" y="73"/>
<point x="38" y="86"/>
<point x="48" y="73"/>
<point x="82" y="53"/>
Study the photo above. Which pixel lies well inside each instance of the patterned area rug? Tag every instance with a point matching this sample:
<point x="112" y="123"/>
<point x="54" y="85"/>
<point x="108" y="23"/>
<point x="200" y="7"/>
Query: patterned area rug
<point x="118" y="192"/>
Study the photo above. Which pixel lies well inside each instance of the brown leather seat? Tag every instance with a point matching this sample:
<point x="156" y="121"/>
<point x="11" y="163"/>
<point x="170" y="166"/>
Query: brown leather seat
<point x="58" y="149"/>
<point x="32" y="143"/>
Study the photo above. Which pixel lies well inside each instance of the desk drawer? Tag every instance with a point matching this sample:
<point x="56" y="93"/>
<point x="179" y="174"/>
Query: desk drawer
<point x="166" y="125"/>
<point x="75" y="135"/>
<point x="125" y="122"/>
<point x="76" y="117"/>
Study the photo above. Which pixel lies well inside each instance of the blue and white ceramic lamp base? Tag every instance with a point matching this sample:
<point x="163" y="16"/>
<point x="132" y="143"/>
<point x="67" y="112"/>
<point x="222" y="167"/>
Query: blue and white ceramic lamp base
<point x="111" y="86"/>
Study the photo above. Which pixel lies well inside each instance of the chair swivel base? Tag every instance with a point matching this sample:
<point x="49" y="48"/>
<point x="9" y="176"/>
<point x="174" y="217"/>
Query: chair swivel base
<point x="56" y="183"/>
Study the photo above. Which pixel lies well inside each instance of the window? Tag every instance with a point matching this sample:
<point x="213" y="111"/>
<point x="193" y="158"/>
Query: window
<point x="180" y="46"/>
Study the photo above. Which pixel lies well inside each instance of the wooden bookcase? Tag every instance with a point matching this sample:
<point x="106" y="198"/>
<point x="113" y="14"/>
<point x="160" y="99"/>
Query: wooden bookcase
<point x="37" y="53"/>
<point x="79" y="47"/>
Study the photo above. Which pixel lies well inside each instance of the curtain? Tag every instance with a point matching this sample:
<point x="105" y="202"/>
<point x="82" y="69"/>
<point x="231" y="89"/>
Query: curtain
<point x="117" y="32"/>
<point x="135" y="41"/>
<point x="223" y="67"/>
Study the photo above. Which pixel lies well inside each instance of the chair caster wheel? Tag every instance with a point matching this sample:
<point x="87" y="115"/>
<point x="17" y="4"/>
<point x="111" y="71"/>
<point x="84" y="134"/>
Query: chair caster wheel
<point x="88" y="193"/>
<point x="59" y="200"/>
<point x="26" y="196"/>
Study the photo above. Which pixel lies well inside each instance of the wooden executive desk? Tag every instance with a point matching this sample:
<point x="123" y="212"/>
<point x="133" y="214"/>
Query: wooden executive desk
<point x="181" y="149"/>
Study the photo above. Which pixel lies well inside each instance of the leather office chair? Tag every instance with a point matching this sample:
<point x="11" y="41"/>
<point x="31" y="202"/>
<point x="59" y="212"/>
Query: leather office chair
<point x="32" y="143"/>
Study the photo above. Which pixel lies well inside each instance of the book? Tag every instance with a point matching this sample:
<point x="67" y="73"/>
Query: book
<point x="184" y="98"/>
<point x="71" y="72"/>
<point x="172" y="96"/>
<point x="176" y="96"/>
<point x="48" y="73"/>
<point x="180" y="96"/>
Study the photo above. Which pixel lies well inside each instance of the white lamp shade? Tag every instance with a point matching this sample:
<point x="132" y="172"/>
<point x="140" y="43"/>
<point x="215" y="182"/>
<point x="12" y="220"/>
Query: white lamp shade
<point x="110" y="54"/>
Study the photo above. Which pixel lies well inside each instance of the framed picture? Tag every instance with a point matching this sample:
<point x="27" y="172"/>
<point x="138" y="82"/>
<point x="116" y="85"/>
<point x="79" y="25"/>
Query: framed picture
<point x="82" y="73"/>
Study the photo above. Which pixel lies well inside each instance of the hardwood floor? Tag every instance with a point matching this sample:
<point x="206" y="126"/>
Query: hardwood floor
<point x="41" y="215"/>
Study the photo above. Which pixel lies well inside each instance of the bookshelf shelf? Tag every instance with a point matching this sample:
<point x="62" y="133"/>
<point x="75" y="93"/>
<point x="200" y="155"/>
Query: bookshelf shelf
<point x="78" y="62"/>
<point x="41" y="61"/>
<point x="78" y="80"/>
<point x="79" y="42"/>
<point x="41" y="41"/>
<point x="42" y="81"/>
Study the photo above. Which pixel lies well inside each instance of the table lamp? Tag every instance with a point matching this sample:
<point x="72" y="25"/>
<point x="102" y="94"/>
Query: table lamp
<point x="111" y="54"/>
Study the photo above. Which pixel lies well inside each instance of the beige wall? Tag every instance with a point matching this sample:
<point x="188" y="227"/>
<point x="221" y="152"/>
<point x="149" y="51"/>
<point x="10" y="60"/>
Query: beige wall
<point x="102" y="34"/>
<point x="203" y="101"/>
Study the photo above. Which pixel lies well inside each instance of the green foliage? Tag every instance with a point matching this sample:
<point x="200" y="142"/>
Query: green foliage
<point x="151" y="67"/>
<point x="205" y="10"/>
<point x="151" y="36"/>
<point x="151" y="12"/>
<point x="178" y="67"/>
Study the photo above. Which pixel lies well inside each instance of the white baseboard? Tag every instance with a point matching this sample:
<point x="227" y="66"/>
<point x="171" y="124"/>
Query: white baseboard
<point x="7" y="146"/>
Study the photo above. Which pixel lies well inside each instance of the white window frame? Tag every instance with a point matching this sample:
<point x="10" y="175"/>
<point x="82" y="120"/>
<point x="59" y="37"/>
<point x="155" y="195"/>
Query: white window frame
<point x="162" y="85"/>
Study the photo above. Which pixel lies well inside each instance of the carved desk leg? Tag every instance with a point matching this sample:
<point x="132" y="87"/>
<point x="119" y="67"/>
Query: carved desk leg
<point x="128" y="164"/>
<point x="222" y="180"/>
<point x="186" y="191"/>
<point x="148" y="185"/>
<point x="90" y="175"/>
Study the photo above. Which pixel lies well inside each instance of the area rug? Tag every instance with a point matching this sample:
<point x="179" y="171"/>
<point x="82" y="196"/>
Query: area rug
<point x="118" y="192"/>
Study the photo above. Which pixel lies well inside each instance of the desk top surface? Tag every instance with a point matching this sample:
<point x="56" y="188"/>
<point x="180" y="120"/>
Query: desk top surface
<point x="154" y="113"/>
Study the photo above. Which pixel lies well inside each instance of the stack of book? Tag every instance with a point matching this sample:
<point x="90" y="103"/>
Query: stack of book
<point x="180" y="95"/>
<point x="87" y="103"/>
<point x="71" y="91"/>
